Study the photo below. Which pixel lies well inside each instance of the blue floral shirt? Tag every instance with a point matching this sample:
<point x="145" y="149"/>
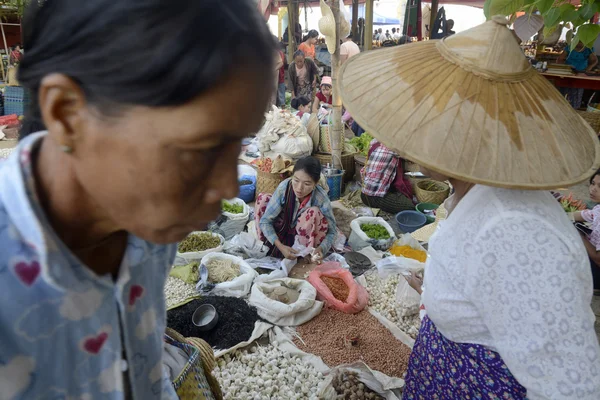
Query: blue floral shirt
<point x="66" y="333"/>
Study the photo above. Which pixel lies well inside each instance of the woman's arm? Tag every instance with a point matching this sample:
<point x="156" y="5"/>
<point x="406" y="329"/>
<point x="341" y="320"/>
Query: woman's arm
<point x="273" y="210"/>
<point x="593" y="254"/>
<point x="562" y="58"/>
<point x="577" y="217"/>
<point x="292" y="74"/>
<point x="332" y="226"/>
<point x="316" y="105"/>
<point x="592" y="62"/>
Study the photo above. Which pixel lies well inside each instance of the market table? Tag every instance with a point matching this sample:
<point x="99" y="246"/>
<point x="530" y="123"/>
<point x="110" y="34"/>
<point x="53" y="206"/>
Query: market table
<point x="579" y="81"/>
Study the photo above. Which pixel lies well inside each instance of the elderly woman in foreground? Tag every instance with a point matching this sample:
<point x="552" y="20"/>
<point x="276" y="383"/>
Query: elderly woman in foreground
<point x="508" y="282"/>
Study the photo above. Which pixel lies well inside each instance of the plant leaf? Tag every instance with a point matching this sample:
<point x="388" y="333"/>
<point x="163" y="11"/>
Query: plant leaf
<point x="544" y="5"/>
<point x="588" y="10"/>
<point x="588" y="33"/>
<point x="574" y="41"/>
<point x="505" y="7"/>
<point x="552" y="17"/>
<point x="568" y="12"/>
<point x="486" y="9"/>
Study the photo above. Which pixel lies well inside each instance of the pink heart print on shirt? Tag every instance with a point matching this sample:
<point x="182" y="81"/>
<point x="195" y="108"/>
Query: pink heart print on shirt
<point x="27" y="272"/>
<point x="135" y="293"/>
<point x="93" y="345"/>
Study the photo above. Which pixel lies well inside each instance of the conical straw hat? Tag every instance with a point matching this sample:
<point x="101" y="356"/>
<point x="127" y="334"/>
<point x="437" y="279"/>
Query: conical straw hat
<point x="327" y="27"/>
<point x="471" y="107"/>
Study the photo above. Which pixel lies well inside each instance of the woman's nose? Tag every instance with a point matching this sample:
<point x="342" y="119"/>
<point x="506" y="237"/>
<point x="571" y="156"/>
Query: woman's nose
<point x="224" y="184"/>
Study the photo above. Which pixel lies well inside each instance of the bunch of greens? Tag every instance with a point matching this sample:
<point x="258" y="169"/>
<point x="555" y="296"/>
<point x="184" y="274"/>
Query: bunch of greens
<point x="199" y="242"/>
<point x="374" y="231"/>
<point x="233" y="208"/>
<point x="362" y="143"/>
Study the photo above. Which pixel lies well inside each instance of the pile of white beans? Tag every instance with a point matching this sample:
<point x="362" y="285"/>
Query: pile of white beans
<point x="267" y="373"/>
<point x="178" y="291"/>
<point x="382" y="298"/>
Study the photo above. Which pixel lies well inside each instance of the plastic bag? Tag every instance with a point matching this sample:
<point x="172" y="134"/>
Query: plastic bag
<point x="245" y="245"/>
<point x="283" y="133"/>
<point x="359" y="240"/>
<point x="271" y="263"/>
<point x="408" y="299"/>
<point x="295" y="145"/>
<point x="381" y="384"/>
<point x="278" y="313"/>
<point x="230" y="224"/>
<point x="338" y="258"/>
<point x="358" y="297"/>
<point x="196" y="256"/>
<point x="238" y="287"/>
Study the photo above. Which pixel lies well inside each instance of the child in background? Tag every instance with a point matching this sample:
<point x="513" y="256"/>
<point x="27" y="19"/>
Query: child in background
<point x="302" y="104"/>
<point x="325" y="95"/>
<point x="592" y="241"/>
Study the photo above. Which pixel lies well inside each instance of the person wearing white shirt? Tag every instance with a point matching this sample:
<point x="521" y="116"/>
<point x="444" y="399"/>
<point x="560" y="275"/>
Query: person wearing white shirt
<point x="348" y="49"/>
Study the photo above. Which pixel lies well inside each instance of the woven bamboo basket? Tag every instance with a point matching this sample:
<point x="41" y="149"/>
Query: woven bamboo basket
<point x="410" y="166"/>
<point x="347" y="163"/>
<point x="267" y="182"/>
<point x="325" y="138"/>
<point x="430" y="191"/>
<point x="12" y="76"/>
<point x="592" y="118"/>
<point x="207" y="360"/>
<point x="359" y="163"/>
<point x="314" y="132"/>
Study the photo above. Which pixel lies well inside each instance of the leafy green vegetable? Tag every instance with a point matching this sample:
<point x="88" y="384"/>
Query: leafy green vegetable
<point x="233" y="208"/>
<point x="198" y="242"/>
<point x="374" y="231"/>
<point x="362" y="143"/>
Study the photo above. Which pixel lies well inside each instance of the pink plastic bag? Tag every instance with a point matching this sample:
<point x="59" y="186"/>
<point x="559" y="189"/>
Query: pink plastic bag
<point x="358" y="298"/>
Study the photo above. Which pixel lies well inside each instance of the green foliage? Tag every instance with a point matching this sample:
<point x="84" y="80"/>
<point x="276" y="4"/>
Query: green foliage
<point x="554" y="13"/>
<point x="12" y="7"/>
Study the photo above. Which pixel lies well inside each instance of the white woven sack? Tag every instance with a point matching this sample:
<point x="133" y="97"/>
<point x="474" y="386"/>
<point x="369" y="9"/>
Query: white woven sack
<point x="234" y="223"/>
<point x="278" y="313"/>
<point x="196" y="256"/>
<point x="359" y="240"/>
<point x="238" y="287"/>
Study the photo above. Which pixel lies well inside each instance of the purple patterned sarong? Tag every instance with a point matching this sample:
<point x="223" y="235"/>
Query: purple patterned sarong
<point x="442" y="370"/>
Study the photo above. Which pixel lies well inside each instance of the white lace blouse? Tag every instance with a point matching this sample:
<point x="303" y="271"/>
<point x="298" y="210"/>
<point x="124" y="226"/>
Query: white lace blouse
<point x="509" y="271"/>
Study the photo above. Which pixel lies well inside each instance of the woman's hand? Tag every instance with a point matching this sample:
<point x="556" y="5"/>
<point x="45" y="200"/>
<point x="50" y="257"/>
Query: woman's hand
<point x="317" y="256"/>
<point x="288" y="252"/>
<point x="415" y="282"/>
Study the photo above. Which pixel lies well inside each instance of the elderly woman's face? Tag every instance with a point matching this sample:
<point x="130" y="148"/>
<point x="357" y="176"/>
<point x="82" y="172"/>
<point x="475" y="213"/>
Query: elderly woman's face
<point x="299" y="62"/>
<point x="161" y="173"/>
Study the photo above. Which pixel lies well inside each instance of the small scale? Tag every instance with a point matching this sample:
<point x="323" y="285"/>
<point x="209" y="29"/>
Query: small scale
<point x="359" y="263"/>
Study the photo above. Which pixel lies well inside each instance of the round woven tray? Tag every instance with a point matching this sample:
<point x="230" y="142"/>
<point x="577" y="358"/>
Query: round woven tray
<point x="347" y="163"/>
<point x="425" y="195"/>
<point x="592" y="118"/>
<point x="267" y="182"/>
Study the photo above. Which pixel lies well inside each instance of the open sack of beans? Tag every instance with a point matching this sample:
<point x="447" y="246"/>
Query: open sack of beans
<point x="371" y="231"/>
<point x="285" y="302"/>
<point x="196" y="245"/>
<point x="357" y="381"/>
<point x="338" y="289"/>
<point x="225" y="275"/>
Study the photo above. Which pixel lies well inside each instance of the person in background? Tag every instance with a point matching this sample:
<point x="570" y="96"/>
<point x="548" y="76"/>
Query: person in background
<point x="348" y="49"/>
<point x="84" y="258"/>
<point x="308" y="45"/>
<point x="582" y="59"/>
<point x="15" y="55"/>
<point x="281" y="88"/>
<point x="298" y="211"/>
<point x="403" y="40"/>
<point x="376" y="35"/>
<point x="302" y="104"/>
<point x="396" y="34"/>
<point x="388" y="36"/>
<point x="303" y="75"/>
<point x="384" y="184"/>
<point x="325" y="95"/>
<point x="278" y="65"/>
<point x="592" y="241"/>
<point x="450" y="27"/>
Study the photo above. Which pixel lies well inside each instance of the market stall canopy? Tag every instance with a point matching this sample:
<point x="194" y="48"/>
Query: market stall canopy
<point x="479" y="3"/>
<point x="378" y="19"/>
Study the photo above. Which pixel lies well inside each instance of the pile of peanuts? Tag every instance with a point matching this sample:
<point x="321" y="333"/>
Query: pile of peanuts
<point x="340" y="338"/>
<point x="338" y="287"/>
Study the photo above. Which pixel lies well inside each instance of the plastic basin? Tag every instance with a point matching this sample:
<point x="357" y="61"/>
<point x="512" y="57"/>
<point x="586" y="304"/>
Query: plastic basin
<point x="421" y="207"/>
<point x="410" y="221"/>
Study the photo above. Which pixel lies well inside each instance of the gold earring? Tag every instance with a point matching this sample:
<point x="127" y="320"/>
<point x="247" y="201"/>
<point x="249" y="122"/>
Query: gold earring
<point x="66" y="149"/>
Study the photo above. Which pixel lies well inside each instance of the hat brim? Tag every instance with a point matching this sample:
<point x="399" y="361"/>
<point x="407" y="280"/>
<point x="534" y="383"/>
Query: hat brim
<point x="498" y="132"/>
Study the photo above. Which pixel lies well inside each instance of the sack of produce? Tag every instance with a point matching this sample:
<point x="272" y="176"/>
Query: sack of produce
<point x="233" y="220"/>
<point x="247" y="188"/>
<point x="358" y="381"/>
<point x="226" y="275"/>
<point x="371" y="231"/>
<point x="337" y="288"/>
<point x="196" y="245"/>
<point x="283" y="133"/>
<point x="246" y="245"/>
<point x="285" y="302"/>
<point x="408" y="254"/>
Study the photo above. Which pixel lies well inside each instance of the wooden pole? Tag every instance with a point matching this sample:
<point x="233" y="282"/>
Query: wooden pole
<point x="336" y="131"/>
<point x="434" y="11"/>
<point x="369" y="25"/>
<point x="4" y="73"/>
<point x="355" y="36"/>
<point x="292" y="21"/>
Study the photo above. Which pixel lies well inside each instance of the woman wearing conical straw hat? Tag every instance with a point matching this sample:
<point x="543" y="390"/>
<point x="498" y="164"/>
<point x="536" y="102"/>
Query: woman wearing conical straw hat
<point x="508" y="284"/>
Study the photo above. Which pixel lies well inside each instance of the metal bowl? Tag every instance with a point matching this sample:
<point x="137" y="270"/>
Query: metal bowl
<point x="205" y="317"/>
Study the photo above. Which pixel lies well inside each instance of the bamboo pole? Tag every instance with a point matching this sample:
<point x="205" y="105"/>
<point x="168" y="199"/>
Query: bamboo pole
<point x="434" y="11"/>
<point x="368" y="25"/>
<point x="355" y="36"/>
<point x="293" y="14"/>
<point x="336" y="131"/>
<point x="5" y="72"/>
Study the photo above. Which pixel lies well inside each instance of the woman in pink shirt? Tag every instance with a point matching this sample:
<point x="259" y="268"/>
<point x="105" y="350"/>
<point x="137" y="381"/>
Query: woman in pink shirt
<point x="592" y="240"/>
